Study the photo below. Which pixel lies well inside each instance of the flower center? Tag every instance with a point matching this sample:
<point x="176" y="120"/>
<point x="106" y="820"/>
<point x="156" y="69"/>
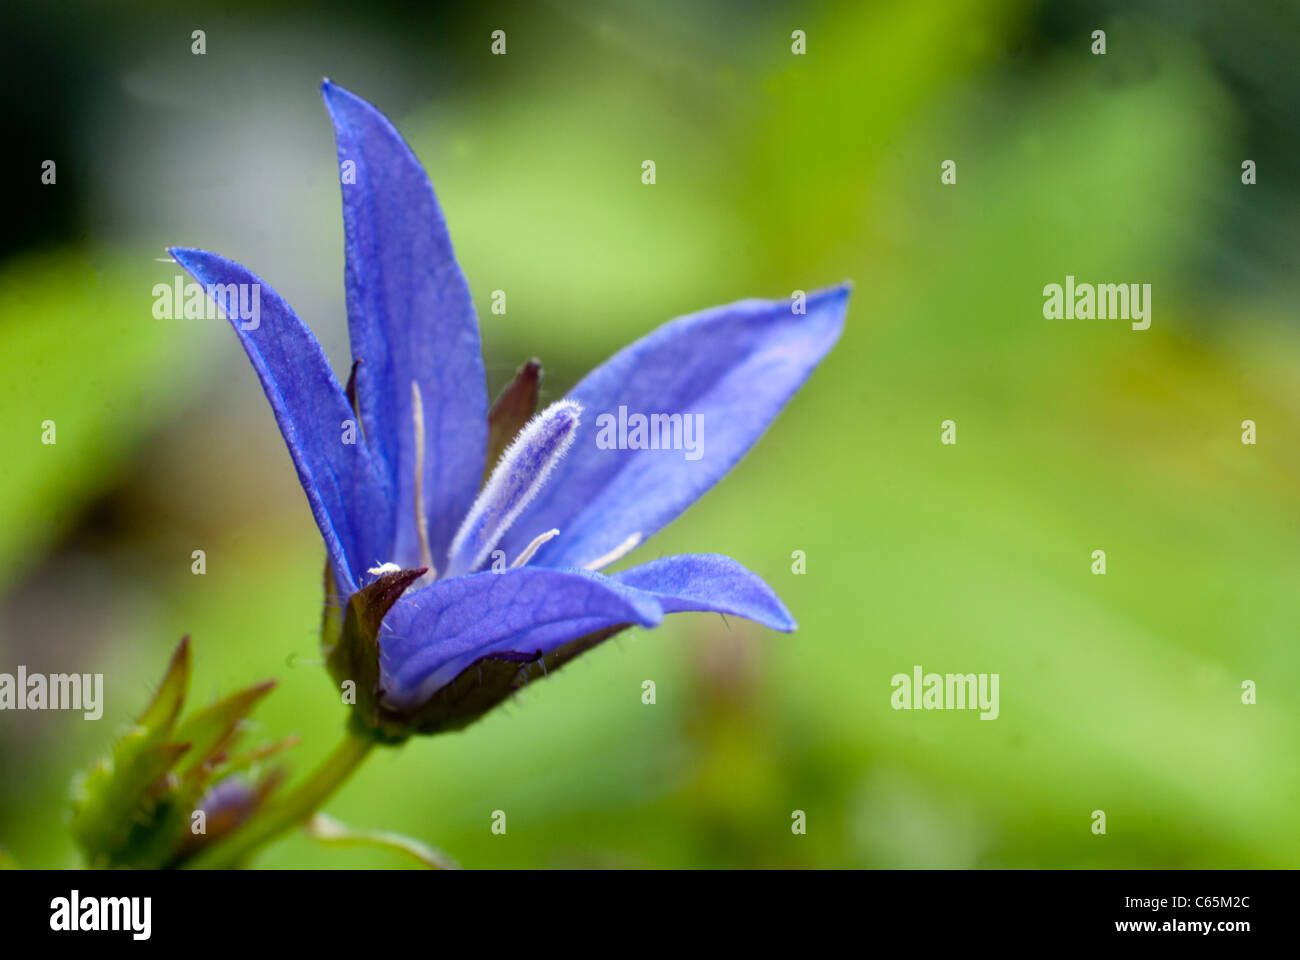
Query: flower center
<point x="522" y="471"/>
<point x="519" y="475"/>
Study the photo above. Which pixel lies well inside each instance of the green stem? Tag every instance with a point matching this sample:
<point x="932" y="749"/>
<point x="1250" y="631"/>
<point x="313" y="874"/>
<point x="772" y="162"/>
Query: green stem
<point x="291" y="810"/>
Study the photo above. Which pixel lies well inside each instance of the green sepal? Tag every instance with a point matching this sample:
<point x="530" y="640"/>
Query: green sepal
<point x="155" y="724"/>
<point x="350" y="644"/>
<point x="133" y="808"/>
<point x="511" y="410"/>
<point x="353" y="655"/>
<point x="111" y="800"/>
<point x="211" y="730"/>
<point x="250" y="758"/>
<point x="118" y="799"/>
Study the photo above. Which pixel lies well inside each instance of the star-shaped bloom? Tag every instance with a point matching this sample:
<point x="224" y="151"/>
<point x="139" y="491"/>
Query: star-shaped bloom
<point x="451" y="590"/>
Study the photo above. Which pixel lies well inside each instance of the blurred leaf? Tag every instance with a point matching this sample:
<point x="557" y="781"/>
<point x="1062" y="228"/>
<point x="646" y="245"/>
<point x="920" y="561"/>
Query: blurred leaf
<point x="79" y="347"/>
<point x="333" y="833"/>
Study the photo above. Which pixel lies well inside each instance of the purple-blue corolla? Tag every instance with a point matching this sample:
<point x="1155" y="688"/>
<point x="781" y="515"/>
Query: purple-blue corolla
<point x="439" y="574"/>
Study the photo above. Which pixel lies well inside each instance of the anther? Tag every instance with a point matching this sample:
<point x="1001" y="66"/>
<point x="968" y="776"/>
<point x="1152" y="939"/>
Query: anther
<point x="421" y="520"/>
<point x="533" y="547"/>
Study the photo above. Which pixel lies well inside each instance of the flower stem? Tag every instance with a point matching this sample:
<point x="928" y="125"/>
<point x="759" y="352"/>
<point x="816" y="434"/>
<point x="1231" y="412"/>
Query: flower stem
<point x="291" y="810"/>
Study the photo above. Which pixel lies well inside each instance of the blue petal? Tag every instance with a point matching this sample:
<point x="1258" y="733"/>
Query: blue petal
<point x="709" y="582"/>
<point x="342" y="485"/>
<point x="734" y="367"/>
<point x="432" y="634"/>
<point x="411" y="319"/>
<point x="694" y="582"/>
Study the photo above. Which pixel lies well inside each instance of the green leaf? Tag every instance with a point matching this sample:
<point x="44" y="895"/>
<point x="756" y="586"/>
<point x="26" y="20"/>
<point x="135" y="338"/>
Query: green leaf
<point x="329" y="832"/>
<point x="79" y="348"/>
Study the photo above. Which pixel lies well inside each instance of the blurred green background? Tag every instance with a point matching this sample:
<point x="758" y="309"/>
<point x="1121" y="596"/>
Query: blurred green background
<point x="775" y="172"/>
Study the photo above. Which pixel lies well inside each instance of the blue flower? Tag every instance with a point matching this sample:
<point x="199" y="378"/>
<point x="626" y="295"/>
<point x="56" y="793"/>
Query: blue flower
<point x="451" y="586"/>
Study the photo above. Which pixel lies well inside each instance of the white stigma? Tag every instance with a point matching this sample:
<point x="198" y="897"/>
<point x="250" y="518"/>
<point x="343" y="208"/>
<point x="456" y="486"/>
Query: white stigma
<point x="533" y="547"/>
<point x="618" y="553"/>
<point x="518" y="476"/>
<point x="384" y="568"/>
